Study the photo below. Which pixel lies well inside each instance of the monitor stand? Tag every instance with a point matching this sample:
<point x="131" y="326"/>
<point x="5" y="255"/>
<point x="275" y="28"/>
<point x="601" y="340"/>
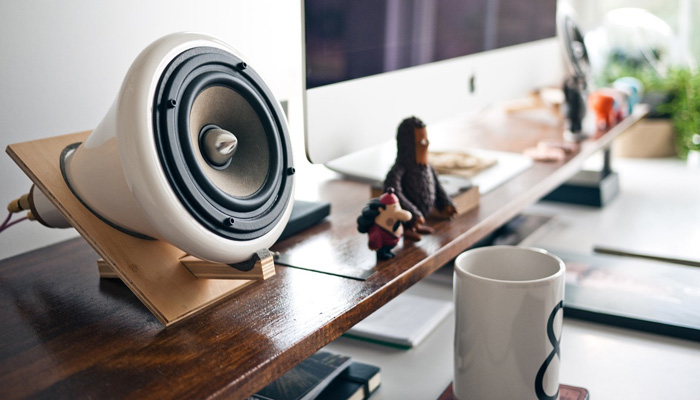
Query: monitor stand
<point x="370" y="164"/>
<point x="373" y="163"/>
<point x="589" y="188"/>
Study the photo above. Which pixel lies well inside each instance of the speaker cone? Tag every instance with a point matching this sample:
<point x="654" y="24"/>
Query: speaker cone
<point x="207" y="87"/>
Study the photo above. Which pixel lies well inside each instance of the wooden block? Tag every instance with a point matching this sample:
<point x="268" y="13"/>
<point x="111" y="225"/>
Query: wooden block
<point x="467" y="200"/>
<point x="263" y="269"/>
<point x="150" y="268"/>
<point x="105" y="270"/>
<point x="464" y="201"/>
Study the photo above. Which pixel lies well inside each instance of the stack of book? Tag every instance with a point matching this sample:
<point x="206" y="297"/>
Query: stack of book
<point x="356" y="382"/>
<point x="404" y="322"/>
<point x="324" y="376"/>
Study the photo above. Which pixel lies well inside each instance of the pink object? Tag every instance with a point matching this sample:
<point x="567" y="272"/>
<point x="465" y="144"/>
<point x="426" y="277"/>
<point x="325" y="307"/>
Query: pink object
<point x="545" y="152"/>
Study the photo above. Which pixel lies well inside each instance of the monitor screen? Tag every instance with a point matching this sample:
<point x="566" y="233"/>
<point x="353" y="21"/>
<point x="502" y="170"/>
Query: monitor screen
<point x="371" y="63"/>
<point x="349" y="39"/>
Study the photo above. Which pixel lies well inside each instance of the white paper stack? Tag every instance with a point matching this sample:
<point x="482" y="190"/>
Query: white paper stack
<point x="403" y="322"/>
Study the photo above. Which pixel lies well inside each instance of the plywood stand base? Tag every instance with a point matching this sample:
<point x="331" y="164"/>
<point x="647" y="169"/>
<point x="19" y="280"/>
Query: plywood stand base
<point x="170" y="283"/>
<point x="263" y="268"/>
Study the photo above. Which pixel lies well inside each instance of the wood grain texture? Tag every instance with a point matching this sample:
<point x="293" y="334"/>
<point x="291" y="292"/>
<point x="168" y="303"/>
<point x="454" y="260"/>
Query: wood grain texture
<point x="68" y="334"/>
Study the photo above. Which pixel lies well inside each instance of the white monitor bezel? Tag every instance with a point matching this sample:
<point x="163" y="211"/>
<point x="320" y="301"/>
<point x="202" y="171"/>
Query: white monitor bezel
<point x="344" y="118"/>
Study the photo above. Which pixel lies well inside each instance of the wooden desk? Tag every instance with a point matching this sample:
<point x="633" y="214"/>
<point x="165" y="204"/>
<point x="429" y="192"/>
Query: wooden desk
<point x="67" y="334"/>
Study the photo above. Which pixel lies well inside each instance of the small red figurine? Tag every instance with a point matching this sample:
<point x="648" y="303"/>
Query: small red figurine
<point x="382" y="219"/>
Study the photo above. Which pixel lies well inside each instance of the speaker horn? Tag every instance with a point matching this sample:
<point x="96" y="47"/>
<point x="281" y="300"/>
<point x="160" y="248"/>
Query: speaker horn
<point x="194" y="151"/>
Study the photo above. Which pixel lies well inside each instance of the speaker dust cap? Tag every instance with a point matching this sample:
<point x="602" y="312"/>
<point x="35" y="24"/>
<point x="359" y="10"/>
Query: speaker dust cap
<point x="217" y="153"/>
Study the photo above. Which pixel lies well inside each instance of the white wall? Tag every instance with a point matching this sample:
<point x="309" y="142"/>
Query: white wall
<point x="62" y="63"/>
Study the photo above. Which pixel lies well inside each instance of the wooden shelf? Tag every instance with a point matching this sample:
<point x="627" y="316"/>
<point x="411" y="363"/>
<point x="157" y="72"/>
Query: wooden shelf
<point x="68" y="334"/>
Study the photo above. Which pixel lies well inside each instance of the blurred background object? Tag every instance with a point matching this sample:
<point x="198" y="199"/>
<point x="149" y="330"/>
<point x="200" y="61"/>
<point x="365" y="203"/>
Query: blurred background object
<point x="655" y="42"/>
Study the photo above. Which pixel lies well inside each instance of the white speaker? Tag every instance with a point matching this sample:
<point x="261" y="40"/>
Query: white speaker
<point x="194" y="151"/>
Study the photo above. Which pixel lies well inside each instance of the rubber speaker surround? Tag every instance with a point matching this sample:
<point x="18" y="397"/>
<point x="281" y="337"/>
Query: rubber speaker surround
<point x="233" y="217"/>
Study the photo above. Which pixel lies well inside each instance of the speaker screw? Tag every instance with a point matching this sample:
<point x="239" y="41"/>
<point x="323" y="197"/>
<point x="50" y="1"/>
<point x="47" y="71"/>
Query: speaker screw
<point x="291" y="171"/>
<point x="172" y="103"/>
<point x="229" y="221"/>
<point x="242" y="65"/>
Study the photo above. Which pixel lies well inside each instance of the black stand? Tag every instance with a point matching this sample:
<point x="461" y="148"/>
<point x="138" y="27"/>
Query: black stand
<point x="305" y="214"/>
<point x="589" y="188"/>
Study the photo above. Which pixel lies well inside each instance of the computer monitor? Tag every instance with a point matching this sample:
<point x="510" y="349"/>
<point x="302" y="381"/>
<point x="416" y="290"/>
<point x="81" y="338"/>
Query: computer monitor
<point x="371" y="63"/>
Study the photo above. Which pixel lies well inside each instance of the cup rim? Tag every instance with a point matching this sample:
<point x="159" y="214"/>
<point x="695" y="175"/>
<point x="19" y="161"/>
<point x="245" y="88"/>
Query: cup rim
<point x="522" y="283"/>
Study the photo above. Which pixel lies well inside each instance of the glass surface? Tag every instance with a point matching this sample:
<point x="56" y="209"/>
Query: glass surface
<point x="350" y="39"/>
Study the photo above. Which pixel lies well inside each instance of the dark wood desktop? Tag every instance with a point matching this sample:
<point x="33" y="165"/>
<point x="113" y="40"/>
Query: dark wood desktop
<point x="66" y="333"/>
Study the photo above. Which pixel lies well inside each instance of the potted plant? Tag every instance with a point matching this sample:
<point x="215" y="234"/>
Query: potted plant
<point x="672" y="93"/>
<point x="683" y="86"/>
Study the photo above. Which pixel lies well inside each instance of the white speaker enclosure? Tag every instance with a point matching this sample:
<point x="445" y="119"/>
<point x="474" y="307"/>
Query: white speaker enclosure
<point x="119" y="172"/>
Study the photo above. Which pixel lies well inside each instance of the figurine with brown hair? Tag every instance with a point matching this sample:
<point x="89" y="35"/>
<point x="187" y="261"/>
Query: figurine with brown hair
<point x="382" y="220"/>
<point x="416" y="182"/>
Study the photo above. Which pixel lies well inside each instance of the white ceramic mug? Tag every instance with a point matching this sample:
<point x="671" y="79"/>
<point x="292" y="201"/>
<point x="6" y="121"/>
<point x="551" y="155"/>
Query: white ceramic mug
<point x="508" y="310"/>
